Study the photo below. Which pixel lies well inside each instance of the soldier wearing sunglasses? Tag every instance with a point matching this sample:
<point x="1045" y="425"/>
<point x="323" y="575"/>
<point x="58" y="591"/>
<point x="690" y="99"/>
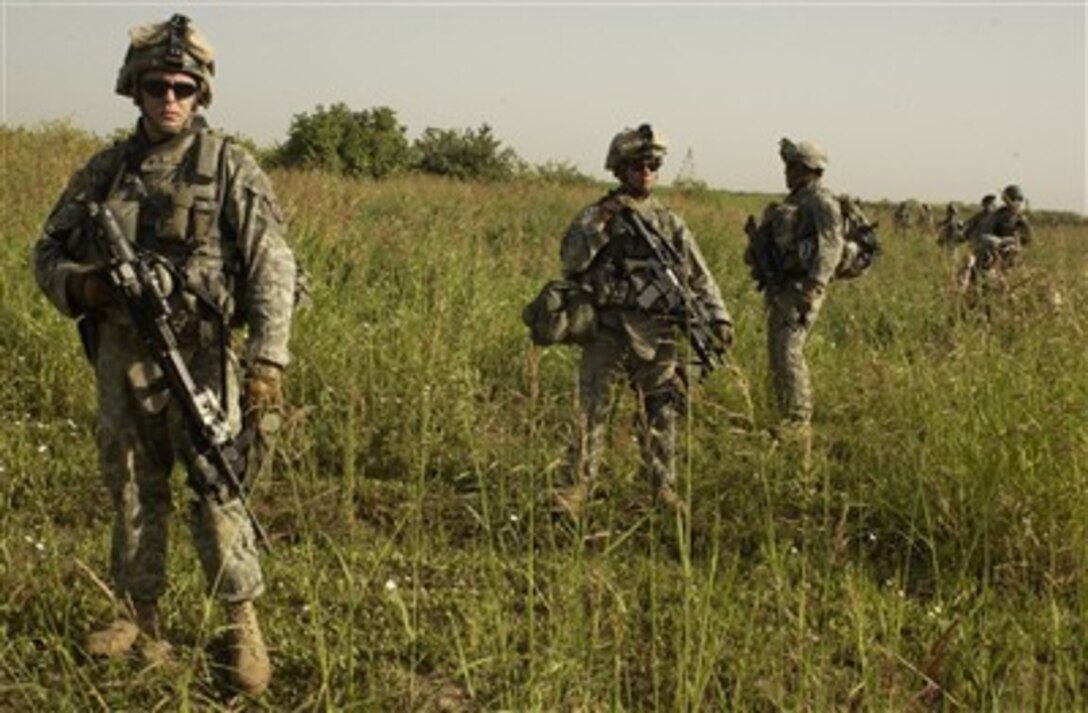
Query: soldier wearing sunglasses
<point x="637" y="344"/>
<point x="197" y="207"/>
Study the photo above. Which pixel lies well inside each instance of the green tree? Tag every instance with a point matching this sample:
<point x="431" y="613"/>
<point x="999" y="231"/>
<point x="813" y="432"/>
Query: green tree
<point x="466" y="154"/>
<point x="359" y="143"/>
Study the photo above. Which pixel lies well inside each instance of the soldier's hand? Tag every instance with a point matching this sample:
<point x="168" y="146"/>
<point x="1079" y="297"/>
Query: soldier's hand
<point x="90" y="289"/>
<point x="723" y="331"/>
<point x="811" y="292"/>
<point x="609" y="208"/>
<point x="262" y="401"/>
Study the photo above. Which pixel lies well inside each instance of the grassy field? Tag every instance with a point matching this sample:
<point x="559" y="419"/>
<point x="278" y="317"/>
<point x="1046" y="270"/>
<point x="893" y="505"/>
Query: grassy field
<point x="934" y="556"/>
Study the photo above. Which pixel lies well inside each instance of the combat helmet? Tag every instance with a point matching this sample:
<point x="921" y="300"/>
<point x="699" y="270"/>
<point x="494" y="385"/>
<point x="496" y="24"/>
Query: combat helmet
<point x="1012" y="192"/>
<point x="805" y="153"/>
<point x="645" y="142"/>
<point x="174" y="45"/>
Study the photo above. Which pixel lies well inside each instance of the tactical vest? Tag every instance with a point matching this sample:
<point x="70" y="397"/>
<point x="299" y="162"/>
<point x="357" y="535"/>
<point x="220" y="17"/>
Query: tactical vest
<point x="169" y="205"/>
<point x="619" y="272"/>
<point x="789" y="243"/>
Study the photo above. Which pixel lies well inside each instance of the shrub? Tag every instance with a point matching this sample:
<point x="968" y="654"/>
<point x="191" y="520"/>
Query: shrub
<point x="466" y="154"/>
<point x="358" y="143"/>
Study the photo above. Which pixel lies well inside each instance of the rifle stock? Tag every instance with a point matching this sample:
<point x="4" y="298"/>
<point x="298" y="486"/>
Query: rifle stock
<point x="219" y="457"/>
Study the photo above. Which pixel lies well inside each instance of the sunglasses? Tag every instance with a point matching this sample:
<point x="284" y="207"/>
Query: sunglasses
<point x="157" y="88"/>
<point x="654" y="166"/>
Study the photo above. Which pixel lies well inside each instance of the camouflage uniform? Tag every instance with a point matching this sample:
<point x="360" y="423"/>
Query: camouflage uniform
<point x="166" y="196"/>
<point x="1007" y="222"/>
<point x="198" y="208"/>
<point x="630" y="342"/>
<point x="901" y="218"/>
<point x="988" y="206"/>
<point x="809" y="236"/>
<point x="996" y="239"/>
<point x="950" y="230"/>
<point x="925" y="218"/>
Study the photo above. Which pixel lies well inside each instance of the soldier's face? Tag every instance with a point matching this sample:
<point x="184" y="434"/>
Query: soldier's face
<point x="796" y="175"/>
<point x="640" y="177"/>
<point x="167" y="102"/>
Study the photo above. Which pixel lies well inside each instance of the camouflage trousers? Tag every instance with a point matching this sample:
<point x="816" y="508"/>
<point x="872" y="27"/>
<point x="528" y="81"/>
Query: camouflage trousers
<point x="789" y="323"/>
<point x="658" y="385"/>
<point x="141" y="435"/>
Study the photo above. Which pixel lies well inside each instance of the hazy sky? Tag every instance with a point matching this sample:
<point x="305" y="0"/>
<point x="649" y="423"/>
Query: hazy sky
<point x="935" y="101"/>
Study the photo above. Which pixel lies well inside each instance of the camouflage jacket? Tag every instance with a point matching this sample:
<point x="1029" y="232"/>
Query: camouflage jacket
<point x="811" y="236"/>
<point x="973" y="224"/>
<point x="608" y="260"/>
<point x="1006" y="223"/>
<point x="200" y="205"/>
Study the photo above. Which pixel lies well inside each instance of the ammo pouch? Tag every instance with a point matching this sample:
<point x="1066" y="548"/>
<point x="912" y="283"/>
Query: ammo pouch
<point x="794" y="251"/>
<point x="562" y="313"/>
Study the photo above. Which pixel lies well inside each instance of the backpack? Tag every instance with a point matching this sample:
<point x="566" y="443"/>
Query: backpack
<point x="561" y="313"/>
<point x="862" y="244"/>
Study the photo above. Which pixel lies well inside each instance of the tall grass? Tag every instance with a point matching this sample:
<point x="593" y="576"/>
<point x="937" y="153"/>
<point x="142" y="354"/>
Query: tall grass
<point x="933" y="554"/>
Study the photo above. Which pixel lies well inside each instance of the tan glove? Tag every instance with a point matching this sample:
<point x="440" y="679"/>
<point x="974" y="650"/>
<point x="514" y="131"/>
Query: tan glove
<point x="89" y="289"/>
<point x="612" y="206"/>
<point x="262" y="402"/>
<point x="811" y="292"/>
<point x="724" y="332"/>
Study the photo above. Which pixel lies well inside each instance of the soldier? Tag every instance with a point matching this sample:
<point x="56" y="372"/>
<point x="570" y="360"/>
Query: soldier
<point x="1010" y="220"/>
<point x="201" y="209"/>
<point x="901" y="218"/>
<point x="601" y="254"/>
<point x="925" y="218"/>
<point x="950" y="229"/>
<point x="987" y="206"/>
<point x="997" y="239"/>
<point x="805" y="237"/>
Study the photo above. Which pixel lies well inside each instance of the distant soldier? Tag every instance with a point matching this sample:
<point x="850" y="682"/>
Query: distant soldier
<point x="950" y="229"/>
<point x="902" y="217"/>
<point x="987" y="206"/>
<point x="925" y="219"/>
<point x="997" y="240"/>
<point x="804" y="248"/>
<point x="1010" y="220"/>
<point x="197" y="208"/>
<point x="633" y="340"/>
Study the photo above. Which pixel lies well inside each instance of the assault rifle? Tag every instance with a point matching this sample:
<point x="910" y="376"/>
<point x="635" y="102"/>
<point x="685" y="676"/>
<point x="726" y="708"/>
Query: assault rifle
<point x="667" y="293"/>
<point x="220" y="458"/>
<point x="760" y="254"/>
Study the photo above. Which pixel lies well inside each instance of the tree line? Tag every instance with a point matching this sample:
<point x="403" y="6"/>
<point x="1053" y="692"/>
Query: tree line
<point x="372" y="143"/>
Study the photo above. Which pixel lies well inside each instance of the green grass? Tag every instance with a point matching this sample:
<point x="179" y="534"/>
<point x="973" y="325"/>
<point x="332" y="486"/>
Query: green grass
<point x="933" y="557"/>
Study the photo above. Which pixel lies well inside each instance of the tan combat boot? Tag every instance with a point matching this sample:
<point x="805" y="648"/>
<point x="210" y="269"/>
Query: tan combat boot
<point x="152" y="646"/>
<point x="122" y="634"/>
<point x="668" y="498"/>
<point x="573" y="498"/>
<point x="250" y="668"/>
<point x="117" y="639"/>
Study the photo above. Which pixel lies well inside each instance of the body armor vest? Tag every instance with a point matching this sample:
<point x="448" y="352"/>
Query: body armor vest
<point x="168" y="203"/>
